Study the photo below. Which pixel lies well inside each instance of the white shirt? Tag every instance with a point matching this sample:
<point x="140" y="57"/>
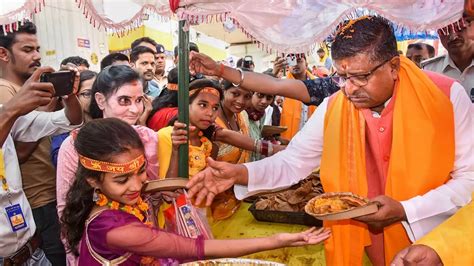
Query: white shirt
<point x="444" y="65"/>
<point x="424" y="212"/>
<point x="28" y="128"/>
<point x="268" y="116"/>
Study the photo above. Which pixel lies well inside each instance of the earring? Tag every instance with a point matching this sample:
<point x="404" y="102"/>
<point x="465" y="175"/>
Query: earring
<point x="95" y="195"/>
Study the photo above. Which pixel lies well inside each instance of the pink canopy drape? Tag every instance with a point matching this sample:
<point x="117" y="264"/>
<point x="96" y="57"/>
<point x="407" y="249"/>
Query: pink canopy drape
<point x="283" y="25"/>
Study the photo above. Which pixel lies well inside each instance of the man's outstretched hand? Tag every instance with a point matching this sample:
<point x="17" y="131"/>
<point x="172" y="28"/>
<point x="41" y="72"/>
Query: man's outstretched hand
<point x="215" y="179"/>
<point x="201" y="63"/>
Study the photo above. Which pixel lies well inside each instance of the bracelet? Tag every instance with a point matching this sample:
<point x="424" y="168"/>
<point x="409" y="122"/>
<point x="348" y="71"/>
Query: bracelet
<point x="255" y="146"/>
<point x="241" y="78"/>
<point x="214" y="133"/>
<point x="270" y="149"/>
<point x="264" y="149"/>
<point x="221" y="70"/>
<point x="258" y="148"/>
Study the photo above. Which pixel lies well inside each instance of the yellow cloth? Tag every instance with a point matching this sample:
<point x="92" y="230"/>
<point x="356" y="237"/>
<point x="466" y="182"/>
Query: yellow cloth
<point x="164" y="150"/>
<point x="291" y="112"/>
<point x="243" y="225"/>
<point x="422" y="117"/>
<point x="453" y="240"/>
<point x="197" y="154"/>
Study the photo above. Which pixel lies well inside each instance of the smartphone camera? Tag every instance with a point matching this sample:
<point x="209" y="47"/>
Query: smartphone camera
<point x="247" y="62"/>
<point x="291" y="60"/>
<point x="63" y="81"/>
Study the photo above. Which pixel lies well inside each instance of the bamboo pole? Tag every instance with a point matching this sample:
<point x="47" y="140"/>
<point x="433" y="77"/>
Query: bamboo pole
<point x="183" y="96"/>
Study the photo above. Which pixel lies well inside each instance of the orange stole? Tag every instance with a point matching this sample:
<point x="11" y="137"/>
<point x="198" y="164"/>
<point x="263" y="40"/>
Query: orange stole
<point x="291" y="112"/>
<point x="421" y="158"/>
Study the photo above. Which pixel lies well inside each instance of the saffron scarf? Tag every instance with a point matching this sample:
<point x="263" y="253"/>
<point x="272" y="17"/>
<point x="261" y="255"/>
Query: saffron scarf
<point x="291" y="112"/>
<point x="421" y="159"/>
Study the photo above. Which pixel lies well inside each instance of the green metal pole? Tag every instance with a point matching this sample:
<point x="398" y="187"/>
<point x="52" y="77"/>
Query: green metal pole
<point x="183" y="96"/>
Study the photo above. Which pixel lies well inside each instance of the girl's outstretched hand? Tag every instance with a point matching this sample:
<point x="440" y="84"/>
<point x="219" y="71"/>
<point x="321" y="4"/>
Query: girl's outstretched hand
<point x="308" y="237"/>
<point x="179" y="135"/>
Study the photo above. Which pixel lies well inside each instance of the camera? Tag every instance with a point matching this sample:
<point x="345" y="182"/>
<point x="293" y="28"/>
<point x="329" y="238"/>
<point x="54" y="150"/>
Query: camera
<point x="63" y="81"/>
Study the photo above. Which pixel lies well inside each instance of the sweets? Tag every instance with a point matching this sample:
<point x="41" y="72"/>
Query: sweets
<point x="333" y="203"/>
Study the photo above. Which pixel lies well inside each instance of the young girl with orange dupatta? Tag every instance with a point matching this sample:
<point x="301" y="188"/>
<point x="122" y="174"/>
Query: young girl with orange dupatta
<point x="105" y="217"/>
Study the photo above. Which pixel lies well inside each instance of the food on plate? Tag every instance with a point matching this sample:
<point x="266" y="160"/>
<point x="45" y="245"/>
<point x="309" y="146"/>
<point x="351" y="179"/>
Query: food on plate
<point x="336" y="202"/>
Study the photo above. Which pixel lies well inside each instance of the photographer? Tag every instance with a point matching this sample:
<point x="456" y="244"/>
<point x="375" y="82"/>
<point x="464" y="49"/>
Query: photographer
<point x="20" y="65"/>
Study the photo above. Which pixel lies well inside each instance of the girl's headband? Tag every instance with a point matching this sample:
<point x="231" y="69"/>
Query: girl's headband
<point x="115" y="168"/>
<point x="172" y="86"/>
<point x="210" y="90"/>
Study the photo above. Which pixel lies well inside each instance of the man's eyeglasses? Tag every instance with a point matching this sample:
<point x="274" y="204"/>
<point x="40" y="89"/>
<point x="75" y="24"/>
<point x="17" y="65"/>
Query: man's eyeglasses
<point x="359" y="79"/>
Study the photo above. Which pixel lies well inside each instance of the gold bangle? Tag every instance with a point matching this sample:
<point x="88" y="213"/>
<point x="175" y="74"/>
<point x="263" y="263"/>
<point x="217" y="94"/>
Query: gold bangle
<point x="241" y="78"/>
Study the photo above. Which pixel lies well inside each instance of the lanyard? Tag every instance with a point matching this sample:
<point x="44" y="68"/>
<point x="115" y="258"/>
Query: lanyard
<point x="3" y="177"/>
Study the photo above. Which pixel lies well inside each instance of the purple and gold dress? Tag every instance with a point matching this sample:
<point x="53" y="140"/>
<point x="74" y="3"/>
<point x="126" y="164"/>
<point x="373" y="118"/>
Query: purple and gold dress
<point x="113" y="237"/>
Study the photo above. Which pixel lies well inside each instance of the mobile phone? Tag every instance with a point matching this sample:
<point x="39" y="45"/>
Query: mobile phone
<point x="63" y="81"/>
<point x="248" y="61"/>
<point x="291" y="60"/>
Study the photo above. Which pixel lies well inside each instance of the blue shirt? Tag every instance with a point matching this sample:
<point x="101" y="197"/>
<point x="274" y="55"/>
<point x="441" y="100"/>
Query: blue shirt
<point x="56" y="142"/>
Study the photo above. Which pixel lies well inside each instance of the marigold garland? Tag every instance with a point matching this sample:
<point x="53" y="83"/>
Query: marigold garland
<point x="141" y="206"/>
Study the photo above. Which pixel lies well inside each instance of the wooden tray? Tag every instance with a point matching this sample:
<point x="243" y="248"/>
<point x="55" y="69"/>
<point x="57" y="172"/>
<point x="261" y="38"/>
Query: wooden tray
<point x="368" y="208"/>
<point x="284" y="217"/>
<point x="268" y="131"/>
<point x="167" y="184"/>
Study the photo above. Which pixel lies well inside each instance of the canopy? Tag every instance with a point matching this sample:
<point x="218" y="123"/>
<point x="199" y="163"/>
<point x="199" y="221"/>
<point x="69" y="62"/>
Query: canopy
<point x="286" y="26"/>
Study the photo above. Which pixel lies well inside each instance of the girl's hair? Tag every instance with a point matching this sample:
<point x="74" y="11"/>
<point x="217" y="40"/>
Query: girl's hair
<point x="99" y="139"/>
<point x="225" y="85"/>
<point x="86" y="75"/>
<point x="108" y="81"/>
<point x="167" y="98"/>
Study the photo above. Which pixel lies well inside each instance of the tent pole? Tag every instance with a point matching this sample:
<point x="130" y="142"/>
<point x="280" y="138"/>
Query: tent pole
<point x="183" y="95"/>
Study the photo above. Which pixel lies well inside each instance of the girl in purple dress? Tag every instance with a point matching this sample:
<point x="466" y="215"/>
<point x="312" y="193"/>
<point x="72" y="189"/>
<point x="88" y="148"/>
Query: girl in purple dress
<point x="104" y="218"/>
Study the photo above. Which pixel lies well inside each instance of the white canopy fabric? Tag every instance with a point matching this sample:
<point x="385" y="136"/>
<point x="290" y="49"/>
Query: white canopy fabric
<point x="282" y="25"/>
<point x="296" y="25"/>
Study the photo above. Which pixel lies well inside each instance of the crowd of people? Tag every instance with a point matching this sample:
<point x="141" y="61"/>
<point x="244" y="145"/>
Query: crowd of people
<point x="397" y="130"/>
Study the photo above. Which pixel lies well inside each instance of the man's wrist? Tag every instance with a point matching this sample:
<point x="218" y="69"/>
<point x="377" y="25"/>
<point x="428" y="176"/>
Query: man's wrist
<point x="9" y="111"/>
<point x="241" y="175"/>
<point x="402" y="213"/>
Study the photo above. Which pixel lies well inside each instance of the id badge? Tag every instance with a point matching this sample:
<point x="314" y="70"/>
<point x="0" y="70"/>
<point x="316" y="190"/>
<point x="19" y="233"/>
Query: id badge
<point x="16" y="217"/>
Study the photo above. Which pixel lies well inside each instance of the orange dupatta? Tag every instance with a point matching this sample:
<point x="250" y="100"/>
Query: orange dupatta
<point x="422" y="156"/>
<point x="291" y="112"/>
<point x="226" y="204"/>
<point x="229" y="153"/>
